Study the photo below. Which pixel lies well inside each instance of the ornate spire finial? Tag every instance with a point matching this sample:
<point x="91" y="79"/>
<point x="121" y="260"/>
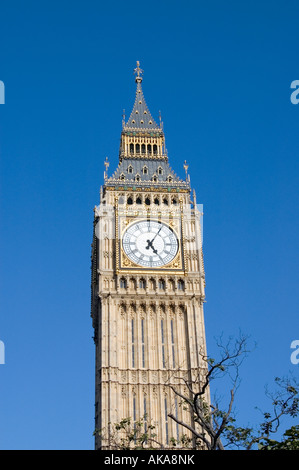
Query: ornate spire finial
<point x="138" y="71"/>
<point x="160" y="119"/>
<point x="186" y="166"/>
<point x="106" y="163"/>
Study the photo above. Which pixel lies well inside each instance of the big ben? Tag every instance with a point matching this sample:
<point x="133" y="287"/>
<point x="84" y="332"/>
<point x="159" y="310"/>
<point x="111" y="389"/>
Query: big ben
<point x="148" y="284"/>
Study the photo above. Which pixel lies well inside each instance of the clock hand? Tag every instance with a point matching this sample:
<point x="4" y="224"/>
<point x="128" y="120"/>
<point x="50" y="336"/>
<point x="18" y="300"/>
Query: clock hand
<point x="156" y="234"/>
<point x="150" y="245"/>
<point x="150" y="242"/>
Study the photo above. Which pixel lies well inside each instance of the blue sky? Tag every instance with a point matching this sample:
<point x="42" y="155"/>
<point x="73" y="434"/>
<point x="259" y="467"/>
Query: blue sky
<point x="220" y="72"/>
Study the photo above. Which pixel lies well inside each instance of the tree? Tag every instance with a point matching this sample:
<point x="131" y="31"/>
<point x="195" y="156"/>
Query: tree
<point x="290" y="441"/>
<point x="129" y="434"/>
<point x="284" y="402"/>
<point x="216" y="429"/>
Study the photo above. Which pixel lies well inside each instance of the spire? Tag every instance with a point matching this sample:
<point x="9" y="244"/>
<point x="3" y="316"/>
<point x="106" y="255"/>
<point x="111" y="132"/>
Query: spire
<point x="140" y="117"/>
<point x="143" y="160"/>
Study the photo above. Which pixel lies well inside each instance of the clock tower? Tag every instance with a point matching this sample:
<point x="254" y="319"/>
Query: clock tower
<point x="147" y="285"/>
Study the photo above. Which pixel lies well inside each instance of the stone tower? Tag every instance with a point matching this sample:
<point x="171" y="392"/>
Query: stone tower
<point x="147" y="284"/>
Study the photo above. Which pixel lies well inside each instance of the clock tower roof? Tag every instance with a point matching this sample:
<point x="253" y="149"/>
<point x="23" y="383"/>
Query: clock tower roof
<point x="140" y="117"/>
<point x="147" y="172"/>
<point x="143" y="160"/>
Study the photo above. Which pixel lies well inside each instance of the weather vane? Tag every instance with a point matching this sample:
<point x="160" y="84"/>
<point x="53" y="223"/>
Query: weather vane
<point x="138" y="71"/>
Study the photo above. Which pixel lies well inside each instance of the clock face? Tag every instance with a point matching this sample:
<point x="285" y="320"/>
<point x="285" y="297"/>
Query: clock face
<point x="150" y="244"/>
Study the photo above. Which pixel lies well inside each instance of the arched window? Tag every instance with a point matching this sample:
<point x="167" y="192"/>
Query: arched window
<point x="147" y="201"/>
<point x="161" y="284"/>
<point x="130" y="169"/>
<point x="145" y="170"/>
<point x="123" y="307"/>
<point x="142" y="283"/>
<point x="143" y="148"/>
<point x="122" y="283"/>
<point x="131" y="148"/>
<point x="149" y="148"/>
<point x="130" y="201"/>
<point x="137" y="148"/>
<point x="163" y="343"/>
<point x="138" y="200"/>
<point x="160" y="171"/>
<point x="143" y="351"/>
<point x="133" y="355"/>
<point x="181" y="284"/>
<point x="155" y="149"/>
<point x="172" y="342"/>
<point x="156" y="201"/>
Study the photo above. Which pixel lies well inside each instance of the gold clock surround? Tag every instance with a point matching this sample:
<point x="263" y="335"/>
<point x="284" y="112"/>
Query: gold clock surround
<point x="125" y="265"/>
